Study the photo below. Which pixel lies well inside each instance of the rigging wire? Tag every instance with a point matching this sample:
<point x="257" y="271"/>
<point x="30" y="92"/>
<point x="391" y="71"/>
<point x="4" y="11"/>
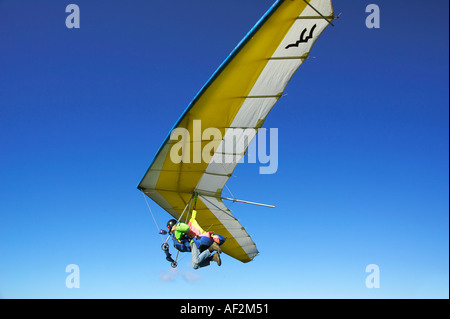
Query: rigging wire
<point x="230" y="191"/>
<point x="156" y="224"/>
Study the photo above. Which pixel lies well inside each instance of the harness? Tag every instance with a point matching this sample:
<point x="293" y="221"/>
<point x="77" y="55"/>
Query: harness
<point x="182" y="244"/>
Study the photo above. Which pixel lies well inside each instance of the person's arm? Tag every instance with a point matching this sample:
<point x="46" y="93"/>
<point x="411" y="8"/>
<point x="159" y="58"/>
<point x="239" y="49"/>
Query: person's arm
<point x="180" y="229"/>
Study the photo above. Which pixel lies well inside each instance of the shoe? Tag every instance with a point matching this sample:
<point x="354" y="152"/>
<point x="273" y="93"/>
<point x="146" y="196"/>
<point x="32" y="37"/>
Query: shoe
<point x="214" y="247"/>
<point x="216" y="258"/>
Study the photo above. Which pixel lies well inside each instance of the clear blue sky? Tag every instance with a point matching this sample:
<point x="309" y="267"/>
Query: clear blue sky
<point x="363" y="172"/>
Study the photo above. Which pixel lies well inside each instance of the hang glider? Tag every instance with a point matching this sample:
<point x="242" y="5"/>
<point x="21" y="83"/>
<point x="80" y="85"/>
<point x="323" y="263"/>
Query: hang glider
<point x="240" y="94"/>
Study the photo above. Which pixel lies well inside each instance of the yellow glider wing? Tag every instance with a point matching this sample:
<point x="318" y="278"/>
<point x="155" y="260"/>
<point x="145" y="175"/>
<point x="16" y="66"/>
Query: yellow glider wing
<point x="239" y="95"/>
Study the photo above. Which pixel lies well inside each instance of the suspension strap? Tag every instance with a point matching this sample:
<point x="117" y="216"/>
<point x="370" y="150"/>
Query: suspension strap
<point x="187" y="205"/>
<point x="195" y="199"/>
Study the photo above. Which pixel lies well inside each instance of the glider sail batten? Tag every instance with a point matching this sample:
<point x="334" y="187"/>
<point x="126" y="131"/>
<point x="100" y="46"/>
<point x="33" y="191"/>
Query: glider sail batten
<point x="241" y="93"/>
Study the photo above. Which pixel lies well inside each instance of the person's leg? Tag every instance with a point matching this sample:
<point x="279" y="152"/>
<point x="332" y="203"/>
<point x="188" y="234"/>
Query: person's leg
<point x="199" y="259"/>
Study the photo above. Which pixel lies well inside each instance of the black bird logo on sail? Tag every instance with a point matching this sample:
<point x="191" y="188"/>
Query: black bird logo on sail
<point x="302" y="37"/>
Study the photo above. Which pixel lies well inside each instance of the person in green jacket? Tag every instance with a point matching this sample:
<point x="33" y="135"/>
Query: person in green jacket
<point x="183" y="238"/>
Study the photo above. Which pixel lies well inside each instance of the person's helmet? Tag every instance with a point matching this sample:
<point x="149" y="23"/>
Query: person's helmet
<point x="170" y="224"/>
<point x="221" y="239"/>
